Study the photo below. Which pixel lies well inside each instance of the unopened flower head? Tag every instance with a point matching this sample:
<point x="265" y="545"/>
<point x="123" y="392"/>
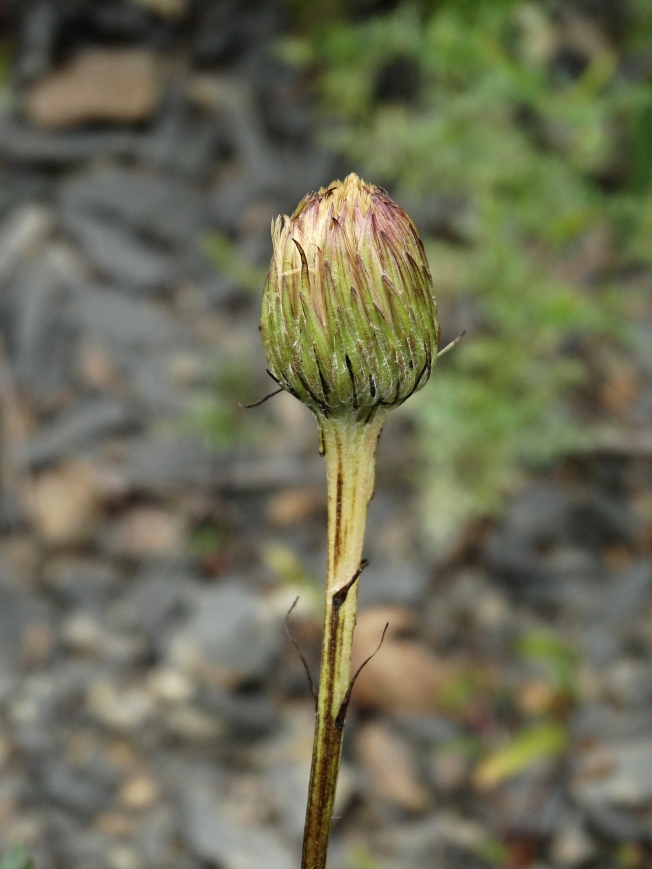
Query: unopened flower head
<point x="349" y="319"/>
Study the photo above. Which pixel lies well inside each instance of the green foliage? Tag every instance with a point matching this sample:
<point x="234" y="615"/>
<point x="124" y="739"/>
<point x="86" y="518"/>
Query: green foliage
<point x="7" y="53"/>
<point x="360" y="858"/>
<point x="494" y="851"/>
<point x="531" y="746"/>
<point x="219" y="416"/>
<point x="17" y="858"/>
<point x="222" y="253"/>
<point x="533" y="164"/>
<point x="291" y="572"/>
<point x="557" y="659"/>
<point x="207" y="540"/>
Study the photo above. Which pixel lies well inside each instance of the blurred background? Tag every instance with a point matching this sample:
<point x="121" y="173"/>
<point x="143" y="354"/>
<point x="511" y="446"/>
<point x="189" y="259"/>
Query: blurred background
<point x="153" y="715"/>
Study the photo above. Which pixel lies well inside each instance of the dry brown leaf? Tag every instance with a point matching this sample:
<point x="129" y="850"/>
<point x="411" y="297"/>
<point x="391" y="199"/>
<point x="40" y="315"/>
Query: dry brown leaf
<point x="621" y="388"/>
<point x="115" y="85"/>
<point x="149" y="531"/>
<point x="405" y="676"/>
<point x="391" y="768"/>
<point x="294" y="505"/>
<point x="537" y="698"/>
<point x="115" y="825"/>
<point x="65" y="503"/>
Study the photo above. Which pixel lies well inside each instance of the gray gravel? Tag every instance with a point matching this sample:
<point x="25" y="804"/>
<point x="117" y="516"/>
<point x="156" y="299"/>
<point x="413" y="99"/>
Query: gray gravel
<point x="152" y="713"/>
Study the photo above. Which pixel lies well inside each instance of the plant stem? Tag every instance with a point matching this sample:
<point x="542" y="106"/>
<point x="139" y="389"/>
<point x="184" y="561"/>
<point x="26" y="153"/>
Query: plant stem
<point x="350" y="451"/>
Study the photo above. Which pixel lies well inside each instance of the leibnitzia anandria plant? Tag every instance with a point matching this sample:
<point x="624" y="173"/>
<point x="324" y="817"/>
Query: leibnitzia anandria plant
<point x="349" y="326"/>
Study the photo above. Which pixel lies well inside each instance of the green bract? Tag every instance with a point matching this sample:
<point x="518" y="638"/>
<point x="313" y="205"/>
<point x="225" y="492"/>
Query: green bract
<point x="349" y="320"/>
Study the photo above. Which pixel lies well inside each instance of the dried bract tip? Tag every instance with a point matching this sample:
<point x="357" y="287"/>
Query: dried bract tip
<point x="349" y="320"/>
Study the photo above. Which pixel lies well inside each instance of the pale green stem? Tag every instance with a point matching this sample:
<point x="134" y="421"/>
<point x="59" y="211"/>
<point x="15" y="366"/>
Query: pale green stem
<point x="350" y="451"/>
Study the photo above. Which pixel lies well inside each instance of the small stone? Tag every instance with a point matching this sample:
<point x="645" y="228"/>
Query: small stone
<point x="395" y="580"/>
<point x="572" y="846"/>
<point x="190" y="723"/>
<point x="124" y="322"/>
<point x="21" y="234"/>
<point x="80" y="581"/>
<point x="37" y="644"/>
<point x="171" y="686"/>
<point x="289" y="792"/>
<point x="28" y="827"/>
<point x="629" y="682"/>
<point x="466" y="834"/>
<point x="415" y="844"/>
<point x="95" y="365"/>
<point x="390" y="767"/>
<point x="152" y="206"/>
<point x="23" y="143"/>
<point x="163" y="463"/>
<point x="18" y="562"/>
<point x="17" y="614"/>
<point x="111" y="85"/>
<point x="247" y="799"/>
<point x="122" y="754"/>
<point x="617" y="825"/>
<point x="156" y="600"/>
<point x="118" y="255"/>
<point x="492" y="610"/>
<point x="186" y="370"/>
<point x="114" y="825"/>
<point x="39" y="335"/>
<point x="230" y="636"/>
<point x="73" y="789"/>
<point x="285" y="759"/>
<point x="616" y="774"/>
<point x="213" y="832"/>
<point x="146" y="532"/>
<point x="140" y="792"/>
<point x="65" y="504"/>
<point x="75" y="428"/>
<point x="122" y="857"/>
<point x="84" y="634"/>
<point x="450" y="769"/>
<point x="121" y="709"/>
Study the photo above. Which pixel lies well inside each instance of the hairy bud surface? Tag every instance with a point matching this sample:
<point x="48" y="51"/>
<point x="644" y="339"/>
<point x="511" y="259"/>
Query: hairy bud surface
<point x="349" y="320"/>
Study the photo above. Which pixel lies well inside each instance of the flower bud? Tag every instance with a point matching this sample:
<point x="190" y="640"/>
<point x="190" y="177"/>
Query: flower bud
<point x="349" y="320"/>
